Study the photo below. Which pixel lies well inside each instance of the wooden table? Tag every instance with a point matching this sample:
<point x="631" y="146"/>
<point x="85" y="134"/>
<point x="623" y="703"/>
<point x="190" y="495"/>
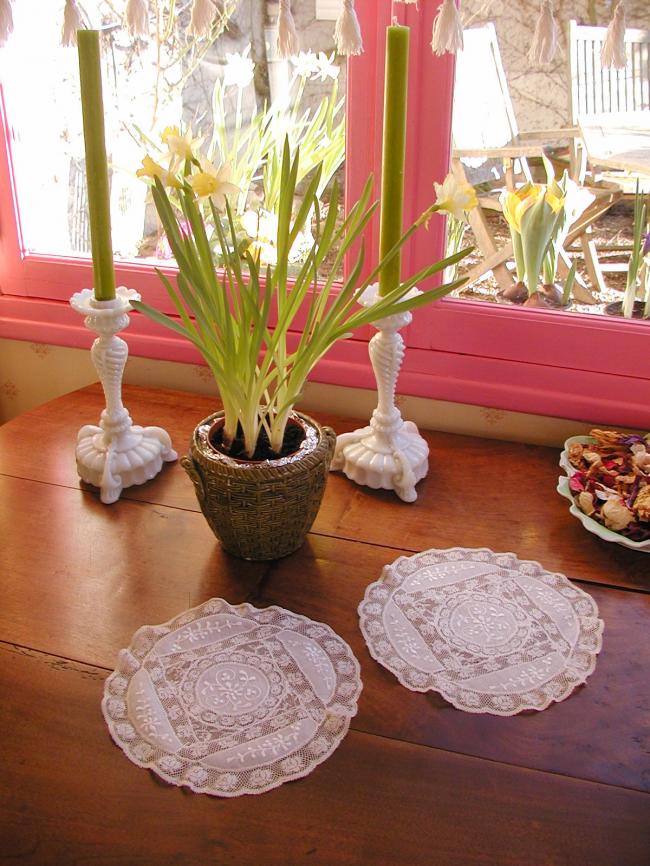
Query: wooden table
<point x="415" y="781"/>
<point x="619" y="141"/>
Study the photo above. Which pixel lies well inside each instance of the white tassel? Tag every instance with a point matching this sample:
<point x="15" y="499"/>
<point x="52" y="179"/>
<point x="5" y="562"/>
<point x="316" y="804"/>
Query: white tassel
<point x="613" y="51"/>
<point x="137" y="17"/>
<point x="544" y="44"/>
<point x="6" y="20"/>
<point x="203" y="12"/>
<point x="71" y="23"/>
<point x="288" y="45"/>
<point x="347" y="33"/>
<point x="447" y="29"/>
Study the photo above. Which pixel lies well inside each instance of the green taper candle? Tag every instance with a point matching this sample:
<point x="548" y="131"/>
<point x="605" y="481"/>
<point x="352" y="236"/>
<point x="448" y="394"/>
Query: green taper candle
<point x="394" y="152"/>
<point x="99" y="209"/>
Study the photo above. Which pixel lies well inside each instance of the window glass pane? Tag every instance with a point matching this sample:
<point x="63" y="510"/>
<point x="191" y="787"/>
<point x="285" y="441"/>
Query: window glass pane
<point x="234" y="92"/>
<point x="594" y="228"/>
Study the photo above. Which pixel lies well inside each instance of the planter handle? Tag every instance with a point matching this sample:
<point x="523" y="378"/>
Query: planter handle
<point x="193" y="470"/>
<point x="330" y="435"/>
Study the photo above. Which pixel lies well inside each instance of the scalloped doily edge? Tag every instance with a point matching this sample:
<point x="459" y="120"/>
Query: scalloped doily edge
<point x="438" y="689"/>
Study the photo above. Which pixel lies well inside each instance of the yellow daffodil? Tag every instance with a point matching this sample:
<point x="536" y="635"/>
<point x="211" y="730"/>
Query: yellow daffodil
<point x="152" y="169"/>
<point x="181" y="147"/>
<point x="455" y="197"/>
<point x="214" y="183"/>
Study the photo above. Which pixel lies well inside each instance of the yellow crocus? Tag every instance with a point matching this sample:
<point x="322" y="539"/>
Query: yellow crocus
<point x="152" y="169"/>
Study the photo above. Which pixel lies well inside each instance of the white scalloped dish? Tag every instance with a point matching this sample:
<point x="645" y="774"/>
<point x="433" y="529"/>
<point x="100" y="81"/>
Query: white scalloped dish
<point x="589" y="523"/>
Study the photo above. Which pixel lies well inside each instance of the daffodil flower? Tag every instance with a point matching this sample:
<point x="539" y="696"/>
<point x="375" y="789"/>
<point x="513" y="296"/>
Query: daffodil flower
<point x="152" y="169"/>
<point x="213" y="182"/>
<point x="262" y="227"/>
<point x="306" y="64"/>
<point x="239" y="70"/>
<point x="454" y="197"/>
<point x="181" y="147"/>
<point x="325" y="66"/>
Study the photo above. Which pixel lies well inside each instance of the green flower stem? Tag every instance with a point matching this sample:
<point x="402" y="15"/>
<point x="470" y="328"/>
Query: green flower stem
<point x="228" y="318"/>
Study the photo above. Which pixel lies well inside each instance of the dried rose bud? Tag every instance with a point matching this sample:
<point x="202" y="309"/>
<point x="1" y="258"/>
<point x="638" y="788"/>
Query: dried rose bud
<point x="586" y="502"/>
<point x="615" y="514"/>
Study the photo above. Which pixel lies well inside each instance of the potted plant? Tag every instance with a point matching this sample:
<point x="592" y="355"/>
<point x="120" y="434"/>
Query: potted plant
<point x="539" y="217"/>
<point x="259" y="467"/>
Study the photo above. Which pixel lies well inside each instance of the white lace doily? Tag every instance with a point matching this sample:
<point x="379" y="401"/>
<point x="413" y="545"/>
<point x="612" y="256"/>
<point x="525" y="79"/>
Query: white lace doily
<point x="491" y="633"/>
<point x="232" y="700"/>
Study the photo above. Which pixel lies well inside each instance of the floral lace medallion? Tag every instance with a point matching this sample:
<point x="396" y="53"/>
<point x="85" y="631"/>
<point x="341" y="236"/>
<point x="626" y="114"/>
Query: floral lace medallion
<point x="489" y="632"/>
<point x="232" y="700"/>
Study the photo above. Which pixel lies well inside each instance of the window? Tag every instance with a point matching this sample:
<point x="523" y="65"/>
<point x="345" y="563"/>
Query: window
<point x="459" y="350"/>
<point x="234" y="95"/>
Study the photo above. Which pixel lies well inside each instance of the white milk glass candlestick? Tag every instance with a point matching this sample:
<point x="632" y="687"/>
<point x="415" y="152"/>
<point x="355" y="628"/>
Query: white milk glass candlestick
<point x="389" y="453"/>
<point x="116" y="454"/>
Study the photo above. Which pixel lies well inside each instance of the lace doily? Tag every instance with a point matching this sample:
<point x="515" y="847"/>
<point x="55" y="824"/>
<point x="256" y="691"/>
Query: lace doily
<point x="232" y="700"/>
<point x="491" y="633"/>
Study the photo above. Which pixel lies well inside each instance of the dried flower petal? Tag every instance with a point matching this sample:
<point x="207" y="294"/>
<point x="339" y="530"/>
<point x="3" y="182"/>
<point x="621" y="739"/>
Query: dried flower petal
<point x="576" y="482"/>
<point x="616" y="514"/>
<point x="642" y="503"/>
<point x="586" y="502"/>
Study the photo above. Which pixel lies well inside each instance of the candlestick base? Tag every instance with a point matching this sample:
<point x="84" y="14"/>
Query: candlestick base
<point x="389" y="453"/>
<point x="116" y="454"/>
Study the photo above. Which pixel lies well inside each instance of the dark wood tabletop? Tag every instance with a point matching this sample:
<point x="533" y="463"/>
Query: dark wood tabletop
<point x="415" y="781"/>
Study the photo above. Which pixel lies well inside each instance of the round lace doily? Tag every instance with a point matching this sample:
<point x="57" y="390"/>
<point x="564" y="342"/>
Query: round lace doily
<point x="491" y="633"/>
<point x="232" y="700"/>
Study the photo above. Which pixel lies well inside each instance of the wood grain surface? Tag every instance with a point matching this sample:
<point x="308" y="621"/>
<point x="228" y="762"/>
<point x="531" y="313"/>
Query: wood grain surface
<point x="375" y="801"/>
<point x="415" y="781"/>
<point x="498" y="494"/>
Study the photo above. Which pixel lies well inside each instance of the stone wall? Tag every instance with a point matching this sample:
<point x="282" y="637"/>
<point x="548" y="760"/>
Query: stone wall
<point x="541" y="96"/>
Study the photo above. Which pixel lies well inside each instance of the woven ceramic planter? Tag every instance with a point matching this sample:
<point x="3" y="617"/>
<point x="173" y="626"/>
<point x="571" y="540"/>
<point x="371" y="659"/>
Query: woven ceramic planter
<point x="260" y="509"/>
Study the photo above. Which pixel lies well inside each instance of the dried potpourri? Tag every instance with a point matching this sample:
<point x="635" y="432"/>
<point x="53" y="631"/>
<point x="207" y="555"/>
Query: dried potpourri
<point x="612" y="481"/>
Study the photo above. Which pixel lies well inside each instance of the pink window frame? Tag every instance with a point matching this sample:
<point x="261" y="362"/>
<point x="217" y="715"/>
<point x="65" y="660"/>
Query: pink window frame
<point x="565" y="365"/>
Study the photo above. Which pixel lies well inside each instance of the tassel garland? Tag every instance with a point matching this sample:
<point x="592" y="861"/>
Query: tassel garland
<point x="544" y="44"/>
<point x="203" y="12"/>
<point x="347" y="33"/>
<point x="6" y="20"/>
<point x="613" y="52"/>
<point x="288" y="45"/>
<point x="71" y="23"/>
<point x="137" y="17"/>
<point x="447" y="29"/>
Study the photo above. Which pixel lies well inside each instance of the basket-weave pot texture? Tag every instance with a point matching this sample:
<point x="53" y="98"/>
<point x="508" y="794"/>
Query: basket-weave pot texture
<point x="264" y="509"/>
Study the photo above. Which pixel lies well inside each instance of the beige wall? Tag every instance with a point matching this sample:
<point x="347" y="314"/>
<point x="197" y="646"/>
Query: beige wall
<point x="33" y="373"/>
